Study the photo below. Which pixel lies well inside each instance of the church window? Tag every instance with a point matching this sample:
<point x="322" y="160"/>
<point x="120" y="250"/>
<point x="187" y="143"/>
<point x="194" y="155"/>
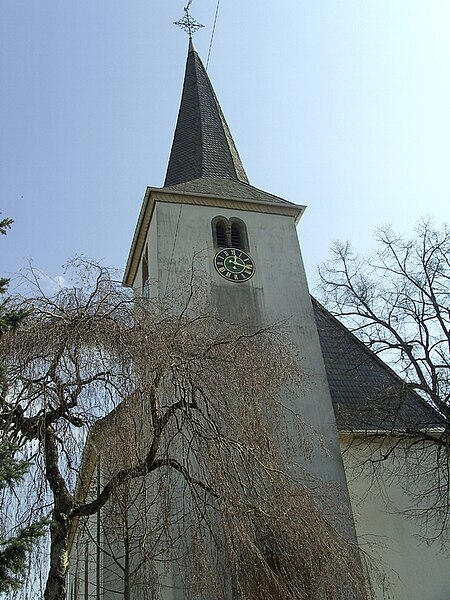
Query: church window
<point x="221" y="235"/>
<point x="74" y="585"/>
<point x="238" y="234"/>
<point x="98" y="557"/>
<point x="86" y="571"/>
<point x="229" y="233"/>
<point x="236" y="240"/>
<point x="145" y="290"/>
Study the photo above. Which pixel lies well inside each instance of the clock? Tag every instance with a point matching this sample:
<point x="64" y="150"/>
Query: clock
<point x="234" y="265"/>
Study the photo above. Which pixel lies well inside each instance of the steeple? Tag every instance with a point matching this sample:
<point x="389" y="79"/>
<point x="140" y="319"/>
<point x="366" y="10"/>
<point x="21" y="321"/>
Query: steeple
<point x="202" y="144"/>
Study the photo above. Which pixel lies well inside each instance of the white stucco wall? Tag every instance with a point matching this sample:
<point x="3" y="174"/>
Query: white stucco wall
<point x="277" y="294"/>
<point x="412" y="568"/>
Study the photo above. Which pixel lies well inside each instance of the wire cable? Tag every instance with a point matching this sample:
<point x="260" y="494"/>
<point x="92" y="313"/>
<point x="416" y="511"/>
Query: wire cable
<point x="212" y="34"/>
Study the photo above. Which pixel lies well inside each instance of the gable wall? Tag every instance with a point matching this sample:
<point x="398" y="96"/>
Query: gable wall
<point x="413" y="568"/>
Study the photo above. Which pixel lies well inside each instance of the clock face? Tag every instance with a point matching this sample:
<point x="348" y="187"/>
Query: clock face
<point x="234" y="265"/>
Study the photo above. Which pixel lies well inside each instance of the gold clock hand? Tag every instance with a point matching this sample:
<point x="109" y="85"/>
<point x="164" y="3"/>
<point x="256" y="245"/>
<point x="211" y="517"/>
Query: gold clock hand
<point x="233" y="261"/>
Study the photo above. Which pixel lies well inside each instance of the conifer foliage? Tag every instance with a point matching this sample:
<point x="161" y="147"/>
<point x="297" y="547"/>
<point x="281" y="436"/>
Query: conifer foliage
<point x="14" y="548"/>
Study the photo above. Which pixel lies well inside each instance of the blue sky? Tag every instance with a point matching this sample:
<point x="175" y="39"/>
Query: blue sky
<point x="342" y="105"/>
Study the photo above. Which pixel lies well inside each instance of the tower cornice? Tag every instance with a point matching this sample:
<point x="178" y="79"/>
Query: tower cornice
<point x="154" y="195"/>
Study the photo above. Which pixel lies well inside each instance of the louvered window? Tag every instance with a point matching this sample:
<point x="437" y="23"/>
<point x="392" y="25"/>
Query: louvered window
<point x="221" y="236"/>
<point x="236" y="236"/>
<point x="229" y="233"/>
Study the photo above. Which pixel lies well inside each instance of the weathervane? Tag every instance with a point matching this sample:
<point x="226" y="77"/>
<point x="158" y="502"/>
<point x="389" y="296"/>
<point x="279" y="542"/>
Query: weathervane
<point x="187" y="23"/>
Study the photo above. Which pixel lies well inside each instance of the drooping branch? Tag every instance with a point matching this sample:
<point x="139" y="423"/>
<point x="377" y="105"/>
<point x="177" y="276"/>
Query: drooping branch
<point x="184" y="406"/>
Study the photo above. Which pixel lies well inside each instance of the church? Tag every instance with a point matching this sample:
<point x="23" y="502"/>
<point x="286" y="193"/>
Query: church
<point x="245" y="245"/>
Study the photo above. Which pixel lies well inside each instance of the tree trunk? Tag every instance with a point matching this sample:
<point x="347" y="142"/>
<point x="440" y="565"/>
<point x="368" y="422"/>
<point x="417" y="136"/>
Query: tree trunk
<point x="59" y="559"/>
<point x="62" y="518"/>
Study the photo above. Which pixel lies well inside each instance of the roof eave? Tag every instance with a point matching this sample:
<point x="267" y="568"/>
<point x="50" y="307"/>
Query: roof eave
<point x="144" y="219"/>
<point x="430" y="431"/>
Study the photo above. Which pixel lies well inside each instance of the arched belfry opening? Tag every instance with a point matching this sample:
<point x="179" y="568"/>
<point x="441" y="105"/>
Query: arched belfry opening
<point x="238" y="234"/>
<point x="229" y="233"/>
<point x="221" y="234"/>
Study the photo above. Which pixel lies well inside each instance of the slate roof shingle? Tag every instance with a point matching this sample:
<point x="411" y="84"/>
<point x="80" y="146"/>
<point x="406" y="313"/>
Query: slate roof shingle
<point x="221" y="187"/>
<point x="366" y="393"/>
<point x="202" y="144"/>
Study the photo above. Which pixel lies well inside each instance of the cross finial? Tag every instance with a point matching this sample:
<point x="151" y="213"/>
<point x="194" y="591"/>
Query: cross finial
<point x="187" y="23"/>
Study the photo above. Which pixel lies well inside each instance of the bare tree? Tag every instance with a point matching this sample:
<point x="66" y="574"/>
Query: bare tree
<point x="180" y="409"/>
<point x="15" y="542"/>
<point x="397" y="301"/>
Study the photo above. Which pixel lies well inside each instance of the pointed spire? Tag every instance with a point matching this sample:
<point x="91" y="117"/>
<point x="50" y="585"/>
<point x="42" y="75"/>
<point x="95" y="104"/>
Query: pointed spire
<point x="202" y="144"/>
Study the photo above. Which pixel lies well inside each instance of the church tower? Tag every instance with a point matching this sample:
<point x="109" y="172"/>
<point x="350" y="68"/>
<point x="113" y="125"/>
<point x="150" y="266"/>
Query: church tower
<point x="208" y="224"/>
<point x="243" y="239"/>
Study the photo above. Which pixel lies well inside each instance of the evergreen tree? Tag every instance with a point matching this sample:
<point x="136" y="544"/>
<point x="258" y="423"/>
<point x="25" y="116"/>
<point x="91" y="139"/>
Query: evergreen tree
<point x="13" y="549"/>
